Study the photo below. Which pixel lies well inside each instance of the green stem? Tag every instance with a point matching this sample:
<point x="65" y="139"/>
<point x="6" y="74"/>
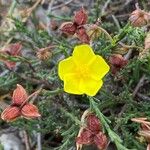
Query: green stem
<point x="12" y="7"/>
<point x="57" y="91"/>
<point x="105" y="122"/>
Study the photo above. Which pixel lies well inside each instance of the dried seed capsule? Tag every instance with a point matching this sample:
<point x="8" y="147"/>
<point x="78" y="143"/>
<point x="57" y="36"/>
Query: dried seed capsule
<point x="139" y="18"/>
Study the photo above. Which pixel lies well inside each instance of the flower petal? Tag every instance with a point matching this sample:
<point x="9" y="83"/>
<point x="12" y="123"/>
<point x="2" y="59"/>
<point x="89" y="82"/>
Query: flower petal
<point x="19" y="95"/>
<point x="30" y="111"/>
<point x="82" y="54"/>
<point x="65" y="67"/>
<point x="90" y="86"/>
<point x="71" y="84"/>
<point x="10" y="113"/>
<point x="98" y="67"/>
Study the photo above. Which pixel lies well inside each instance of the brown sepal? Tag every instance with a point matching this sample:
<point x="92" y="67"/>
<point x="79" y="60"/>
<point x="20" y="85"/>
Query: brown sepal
<point x="68" y="28"/>
<point x="82" y="35"/>
<point x="30" y="111"/>
<point x="101" y="141"/>
<point x="80" y="17"/>
<point x="19" y="95"/>
<point x="86" y="137"/>
<point x="10" y="113"/>
<point x="93" y="123"/>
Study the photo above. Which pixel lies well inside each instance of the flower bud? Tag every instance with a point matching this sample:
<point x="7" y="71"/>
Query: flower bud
<point x="10" y="113"/>
<point x="139" y="18"/>
<point x="80" y="17"/>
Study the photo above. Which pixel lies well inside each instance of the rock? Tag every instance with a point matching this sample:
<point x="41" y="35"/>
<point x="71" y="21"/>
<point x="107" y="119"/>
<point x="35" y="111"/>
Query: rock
<point x="11" y="142"/>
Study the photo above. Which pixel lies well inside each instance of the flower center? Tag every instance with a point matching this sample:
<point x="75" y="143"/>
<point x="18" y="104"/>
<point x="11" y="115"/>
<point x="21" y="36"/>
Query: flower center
<point x="82" y="71"/>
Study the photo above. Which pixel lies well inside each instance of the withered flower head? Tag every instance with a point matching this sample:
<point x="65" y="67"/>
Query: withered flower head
<point x="139" y="18"/>
<point x="145" y="129"/>
<point x="20" y="106"/>
<point x="77" y="26"/>
<point x="12" y="50"/>
<point x="93" y="31"/>
<point x="117" y="62"/>
<point x="92" y="133"/>
<point x="44" y="53"/>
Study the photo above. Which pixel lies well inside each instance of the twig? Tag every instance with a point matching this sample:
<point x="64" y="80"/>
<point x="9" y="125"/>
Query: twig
<point x="36" y="95"/>
<point x="36" y="81"/>
<point x="61" y="5"/>
<point x="48" y="19"/>
<point x="131" y="46"/>
<point x="140" y="83"/>
<point x="144" y="97"/>
<point x="128" y="55"/>
<point x="39" y="145"/>
<point x="12" y="7"/>
<point x="105" y="6"/>
<point x="26" y="140"/>
<point x="3" y="105"/>
<point x="33" y="94"/>
<point x="30" y="10"/>
<point x="119" y="115"/>
<point x="116" y="22"/>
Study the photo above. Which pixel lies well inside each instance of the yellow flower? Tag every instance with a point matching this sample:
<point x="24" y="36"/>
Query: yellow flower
<point x="82" y="73"/>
